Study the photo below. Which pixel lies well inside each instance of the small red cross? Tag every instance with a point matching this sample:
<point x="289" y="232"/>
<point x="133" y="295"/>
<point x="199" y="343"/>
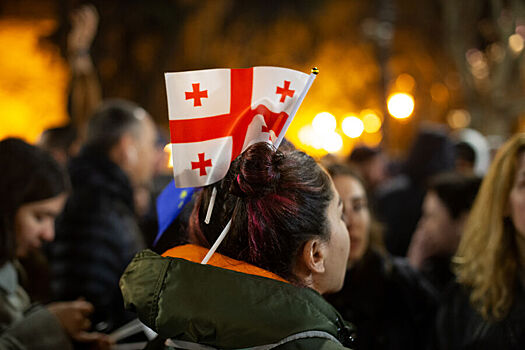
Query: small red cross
<point x="201" y="164"/>
<point x="285" y="91"/>
<point x="196" y="95"/>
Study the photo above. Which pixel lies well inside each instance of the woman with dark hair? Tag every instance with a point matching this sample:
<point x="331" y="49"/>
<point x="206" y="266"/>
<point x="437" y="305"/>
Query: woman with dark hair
<point x="445" y="209"/>
<point x="391" y="306"/>
<point x="287" y="245"/>
<point x="485" y="309"/>
<point x="34" y="191"/>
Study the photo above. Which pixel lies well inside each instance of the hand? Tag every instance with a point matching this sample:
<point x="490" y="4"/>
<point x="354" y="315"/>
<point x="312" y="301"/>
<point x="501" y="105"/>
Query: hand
<point x="84" y="23"/>
<point x="74" y="318"/>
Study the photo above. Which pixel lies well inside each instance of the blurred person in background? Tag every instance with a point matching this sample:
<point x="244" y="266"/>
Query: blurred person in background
<point x="472" y="152"/>
<point x="85" y="94"/>
<point x="371" y="165"/>
<point x="98" y="233"/>
<point x="399" y="203"/>
<point x="445" y="209"/>
<point x="390" y="304"/>
<point x="486" y="308"/>
<point x="61" y="142"/>
<point x="34" y="189"/>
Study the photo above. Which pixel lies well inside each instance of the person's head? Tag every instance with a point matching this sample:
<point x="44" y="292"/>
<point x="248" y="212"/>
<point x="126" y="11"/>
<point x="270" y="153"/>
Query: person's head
<point x="61" y="142"/>
<point x="371" y="164"/>
<point x="125" y="133"/>
<point x="465" y="158"/>
<point x="364" y="232"/>
<point x="431" y="153"/>
<point x="488" y="257"/>
<point x="472" y="152"/>
<point x="445" y="207"/>
<point x="33" y="188"/>
<point x="286" y="217"/>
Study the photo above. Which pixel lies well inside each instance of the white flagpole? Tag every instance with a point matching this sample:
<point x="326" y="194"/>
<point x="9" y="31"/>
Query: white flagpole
<point x="224" y="232"/>
<point x="296" y="106"/>
<point x="217" y="243"/>
<point x="210" y="205"/>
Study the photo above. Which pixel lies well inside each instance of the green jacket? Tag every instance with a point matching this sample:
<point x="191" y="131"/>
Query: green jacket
<point x="225" y="309"/>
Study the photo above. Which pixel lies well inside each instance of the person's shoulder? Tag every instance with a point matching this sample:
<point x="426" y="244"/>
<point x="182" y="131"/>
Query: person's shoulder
<point x="408" y="280"/>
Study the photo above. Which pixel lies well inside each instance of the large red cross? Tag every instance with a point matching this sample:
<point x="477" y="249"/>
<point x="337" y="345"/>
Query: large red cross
<point x="201" y="164"/>
<point x="196" y="95"/>
<point x="235" y="123"/>
<point x="285" y="91"/>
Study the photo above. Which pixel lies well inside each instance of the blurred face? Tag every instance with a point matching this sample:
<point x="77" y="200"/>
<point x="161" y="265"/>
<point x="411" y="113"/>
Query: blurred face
<point x="517" y="197"/>
<point x="375" y="171"/>
<point x="35" y="223"/>
<point x="338" y="247"/>
<point x="356" y="215"/>
<point x="143" y="166"/>
<point x="437" y="226"/>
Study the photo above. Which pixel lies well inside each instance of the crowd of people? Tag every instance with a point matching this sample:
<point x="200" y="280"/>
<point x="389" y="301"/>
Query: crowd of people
<point x="427" y="252"/>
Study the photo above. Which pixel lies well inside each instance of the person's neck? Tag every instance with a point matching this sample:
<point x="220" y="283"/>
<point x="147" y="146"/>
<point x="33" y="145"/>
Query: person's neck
<point x="520" y="241"/>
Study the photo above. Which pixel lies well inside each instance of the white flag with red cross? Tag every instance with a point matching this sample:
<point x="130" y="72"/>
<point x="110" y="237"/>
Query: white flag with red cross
<point x="216" y="114"/>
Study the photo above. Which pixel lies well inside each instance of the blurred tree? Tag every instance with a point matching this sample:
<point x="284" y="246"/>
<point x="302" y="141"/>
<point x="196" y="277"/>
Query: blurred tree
<point x="486" y="39"/>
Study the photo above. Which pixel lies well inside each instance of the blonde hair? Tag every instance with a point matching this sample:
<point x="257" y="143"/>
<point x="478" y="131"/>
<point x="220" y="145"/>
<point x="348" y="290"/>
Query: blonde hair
<point x="487" y="256"/>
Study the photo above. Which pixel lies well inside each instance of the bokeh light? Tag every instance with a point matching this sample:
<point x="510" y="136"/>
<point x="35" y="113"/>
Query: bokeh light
<point x="167" y="149"/>
<point x="372" y="122"/>
<point x="353" y="127"/>
<point x="308" y="136"/>
<point x="405" y="82"/>
<point x="332" y="142"/>
<point x="324" y="122"/>
<point x="400" y="105"/>
<point x="458" y="119"/>
<point x="516" y="43"/>
<point x="372" y="140"/>
<point x="439" y="93"/>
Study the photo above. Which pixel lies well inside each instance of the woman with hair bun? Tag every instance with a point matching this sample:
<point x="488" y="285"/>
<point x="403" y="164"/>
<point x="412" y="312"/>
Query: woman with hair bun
<point x="486" y="308"/>
<point x="287" y="245"/>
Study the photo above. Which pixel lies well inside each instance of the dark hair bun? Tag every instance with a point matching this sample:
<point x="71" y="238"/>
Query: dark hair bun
<point x="258" y="171"/>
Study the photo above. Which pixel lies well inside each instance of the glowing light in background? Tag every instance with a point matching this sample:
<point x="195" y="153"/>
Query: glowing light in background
<point x="353" y="127"/>
<point x="308" y="136"/>
<point x="324" y="122"/>
<point x="405" y="82"/>
<point x="478" y="64"/>
<point x="458" y="119"/>
<point x="332" y="142"/>
<point x="34" y="80"/>
<point x="167" y="149"/>
<point x="372" y="140"/>
<point x="400" y="105"/>
<point x="372" y="122"/>
<point x="439" y="93"/>
<point x="516" y="43"/>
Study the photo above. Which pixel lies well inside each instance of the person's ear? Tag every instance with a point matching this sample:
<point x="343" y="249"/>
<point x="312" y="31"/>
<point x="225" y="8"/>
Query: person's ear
<point x="314" y="256"/>
<point x="128" y="149"/>
<point x="124" y="153"/>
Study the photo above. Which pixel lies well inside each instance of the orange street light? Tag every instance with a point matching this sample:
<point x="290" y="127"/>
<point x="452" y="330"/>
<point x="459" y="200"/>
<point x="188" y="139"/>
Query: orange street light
<point x="353" y="127"/>
<point x="400" y="105"/>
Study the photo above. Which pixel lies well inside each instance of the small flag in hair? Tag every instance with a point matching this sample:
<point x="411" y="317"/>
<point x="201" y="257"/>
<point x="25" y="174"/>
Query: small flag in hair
<point x="216" y="114"/>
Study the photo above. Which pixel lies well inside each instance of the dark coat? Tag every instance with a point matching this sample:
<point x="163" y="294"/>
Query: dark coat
<point x="22" y="325"/>
<point x="459" y="326"/>
<point x="96" y="237"/>
<point x="224" y="309"/>
<point x="390" y="304"/>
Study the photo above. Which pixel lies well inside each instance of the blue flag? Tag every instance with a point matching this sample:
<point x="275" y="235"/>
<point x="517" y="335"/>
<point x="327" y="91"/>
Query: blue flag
<point x="170" y="203"/>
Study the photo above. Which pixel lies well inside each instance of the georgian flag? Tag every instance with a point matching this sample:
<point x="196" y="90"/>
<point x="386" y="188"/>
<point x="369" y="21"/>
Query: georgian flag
<point x="216" y="114"/>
